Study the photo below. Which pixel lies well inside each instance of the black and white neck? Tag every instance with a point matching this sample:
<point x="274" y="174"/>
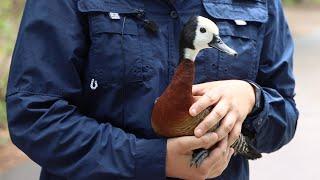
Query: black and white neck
<point x="189" y="54"/>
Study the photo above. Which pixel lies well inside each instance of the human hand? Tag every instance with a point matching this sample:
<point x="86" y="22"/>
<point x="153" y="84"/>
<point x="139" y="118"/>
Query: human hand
<point x="233" y="101"/>
<point x="223" y="155"/>
<point x="179" y="152"/>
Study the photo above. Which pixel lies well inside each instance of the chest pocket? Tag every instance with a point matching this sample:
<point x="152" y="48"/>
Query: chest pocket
<point x="115" y="56"/>
<point x="243" y="36"/>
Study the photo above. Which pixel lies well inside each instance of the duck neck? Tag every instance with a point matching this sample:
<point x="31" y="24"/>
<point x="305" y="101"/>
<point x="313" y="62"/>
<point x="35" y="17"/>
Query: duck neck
<point x="185" y="72"/>
<point x="183" y="78"/>
<point x="189" y="54"/>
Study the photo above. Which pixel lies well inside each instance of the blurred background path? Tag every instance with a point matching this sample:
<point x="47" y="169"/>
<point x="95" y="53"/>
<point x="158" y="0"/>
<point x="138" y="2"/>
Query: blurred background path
<point x="298" y="160"/>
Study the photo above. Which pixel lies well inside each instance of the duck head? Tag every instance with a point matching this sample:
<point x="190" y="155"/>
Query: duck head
<point x="201" y="33"/>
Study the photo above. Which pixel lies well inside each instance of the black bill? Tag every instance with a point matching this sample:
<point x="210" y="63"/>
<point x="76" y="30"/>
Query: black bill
<point x="221" y="46"/>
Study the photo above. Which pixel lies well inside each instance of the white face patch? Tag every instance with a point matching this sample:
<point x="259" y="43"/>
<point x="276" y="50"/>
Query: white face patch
<point x="206" y="29"/>
<point x="205" y="32"/>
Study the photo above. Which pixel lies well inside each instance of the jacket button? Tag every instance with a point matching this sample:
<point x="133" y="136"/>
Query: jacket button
<point x="174" y="14"/>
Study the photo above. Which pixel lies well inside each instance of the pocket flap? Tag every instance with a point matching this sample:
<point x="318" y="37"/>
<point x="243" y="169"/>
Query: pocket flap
<point x="254" y="10"/>
<point x="105" y="25"/>
<point x="119" y="6"/>
<point x="227" y="29"/>
<point x="100" y="20"/>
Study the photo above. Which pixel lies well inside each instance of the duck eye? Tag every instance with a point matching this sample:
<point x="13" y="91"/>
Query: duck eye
<point x="203" y="30"/>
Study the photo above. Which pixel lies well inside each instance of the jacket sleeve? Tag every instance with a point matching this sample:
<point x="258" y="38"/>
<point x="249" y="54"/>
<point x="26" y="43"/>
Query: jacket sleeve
<point x="43" y="97"/>
<point x="276" y="124"/>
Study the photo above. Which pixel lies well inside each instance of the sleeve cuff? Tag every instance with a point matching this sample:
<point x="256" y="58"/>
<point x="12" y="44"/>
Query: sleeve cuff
<point x="255" y="123"/>
<point x="151" y="159"/>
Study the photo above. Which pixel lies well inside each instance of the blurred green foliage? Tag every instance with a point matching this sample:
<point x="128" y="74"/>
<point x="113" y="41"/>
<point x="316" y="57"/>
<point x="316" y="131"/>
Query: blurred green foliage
<point x="10" y="15"/>
<point x="294" y="2"/>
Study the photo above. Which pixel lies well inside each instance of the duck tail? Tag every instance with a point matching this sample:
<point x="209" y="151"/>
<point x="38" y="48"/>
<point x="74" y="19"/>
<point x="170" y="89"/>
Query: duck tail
<point x="244" y="147"/>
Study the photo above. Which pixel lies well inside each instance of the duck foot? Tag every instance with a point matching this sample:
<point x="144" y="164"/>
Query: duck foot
<point x="198" y="156"/>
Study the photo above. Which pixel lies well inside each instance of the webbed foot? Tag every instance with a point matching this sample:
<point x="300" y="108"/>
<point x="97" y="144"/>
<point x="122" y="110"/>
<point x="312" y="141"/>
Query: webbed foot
<point x="198" y="156"/>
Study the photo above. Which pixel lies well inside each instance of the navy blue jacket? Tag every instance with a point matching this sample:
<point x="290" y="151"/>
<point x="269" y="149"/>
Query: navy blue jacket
<point x="84" y="79"/>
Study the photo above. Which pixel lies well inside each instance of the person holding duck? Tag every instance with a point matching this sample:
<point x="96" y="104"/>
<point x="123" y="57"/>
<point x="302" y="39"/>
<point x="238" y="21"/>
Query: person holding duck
<point x="159" y="89"/>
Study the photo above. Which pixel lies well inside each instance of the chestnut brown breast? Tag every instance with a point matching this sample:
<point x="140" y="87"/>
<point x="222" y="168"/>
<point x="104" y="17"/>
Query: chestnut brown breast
<point x="170" y="116"/>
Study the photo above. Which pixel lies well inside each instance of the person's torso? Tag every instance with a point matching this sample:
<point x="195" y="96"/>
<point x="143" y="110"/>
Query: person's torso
<point x="129" y="65"/>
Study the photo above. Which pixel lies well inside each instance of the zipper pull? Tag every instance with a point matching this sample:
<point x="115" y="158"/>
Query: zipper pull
<point x="150" y="25"/>
<point x="140" y="13"/>
<point x="147" y="23"/>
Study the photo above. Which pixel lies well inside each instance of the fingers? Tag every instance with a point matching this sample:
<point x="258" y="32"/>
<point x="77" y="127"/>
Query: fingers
<point x="230" y="155"/>
<point x="196" y="98"/>
<point x="235" y="133"/>
<point x="218" y="168"/>
<point x="219" y="152"/>
<point x="226" y="158"/>
<point x="208" y="99"/>
<point x="226" y="125"/>
<point x="191" y="142"/>
<point x="218" y="112"/>
<point x="199" y="89"/>
<point x="217" y="161"/>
